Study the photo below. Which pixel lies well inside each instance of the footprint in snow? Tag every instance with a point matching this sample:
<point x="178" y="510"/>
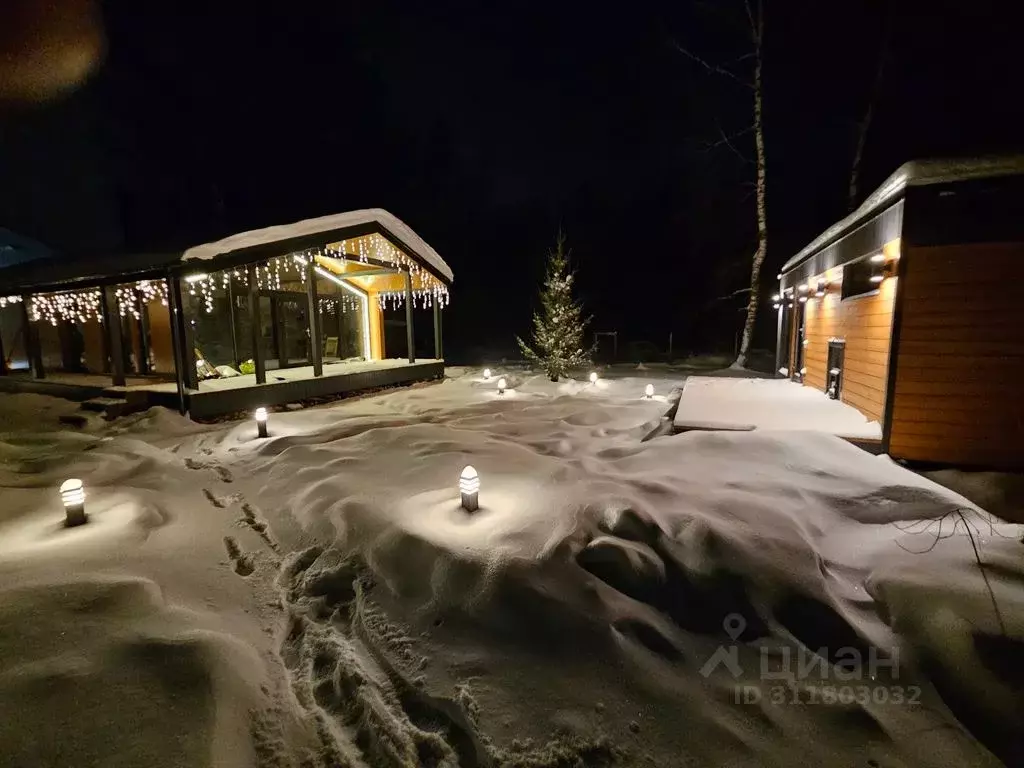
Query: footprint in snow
<point x="244" y="563"/>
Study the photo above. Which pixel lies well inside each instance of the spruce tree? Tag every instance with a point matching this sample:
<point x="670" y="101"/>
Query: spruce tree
<point x="558" y="328"/>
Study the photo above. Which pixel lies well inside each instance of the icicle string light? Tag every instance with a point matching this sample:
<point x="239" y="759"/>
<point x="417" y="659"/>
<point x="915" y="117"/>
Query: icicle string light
<point x="271" y="275"/>
<point x="73" y="306"/>
<point x="5" y="300"/>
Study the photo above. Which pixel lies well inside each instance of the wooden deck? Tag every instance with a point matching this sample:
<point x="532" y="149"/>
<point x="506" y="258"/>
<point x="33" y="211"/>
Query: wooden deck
<point x="219" y="396"/>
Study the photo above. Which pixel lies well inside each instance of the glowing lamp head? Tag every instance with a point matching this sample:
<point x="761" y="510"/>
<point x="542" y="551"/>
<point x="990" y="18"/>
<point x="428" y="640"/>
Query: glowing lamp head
<point x="261" y="422"/>
<point x="878" y="258"/>
<point x="487" y="374"/>
<point x="649" y="391"/>
<point x="593" y="377"/>
<point x="469" y="487"/>
<point x="72" y="494"/>
<point x="803" y="299"/>
<point x="877" y="278"/>
<point x="261" y="414"/>
<point x="501" y="385"/>
<point x="469" y="480"/>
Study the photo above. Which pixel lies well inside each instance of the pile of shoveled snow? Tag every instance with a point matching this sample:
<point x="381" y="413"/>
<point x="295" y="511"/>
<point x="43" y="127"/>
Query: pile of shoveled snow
<point x="613" y="602"/>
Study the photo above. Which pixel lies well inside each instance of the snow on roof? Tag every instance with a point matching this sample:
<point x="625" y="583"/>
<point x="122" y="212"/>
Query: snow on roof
<point x="387" y="220"/>
<point x="916" y="173"/>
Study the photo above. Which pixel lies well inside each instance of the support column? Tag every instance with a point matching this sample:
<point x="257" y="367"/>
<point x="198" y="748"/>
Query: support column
<point x="778" y="339"/>
<point x="254" y="323"/>
<point x="143" y="324"/>
<point x="410" y="337"/>
<point x="185" y="349"/>
<point x="316" y="348"/>
<point x="112" y="323"/>
<point x="231" y="322"/>
<point x="32" y="349"/>
<point x="438" y="346"/>
<point x="3" y="358"/>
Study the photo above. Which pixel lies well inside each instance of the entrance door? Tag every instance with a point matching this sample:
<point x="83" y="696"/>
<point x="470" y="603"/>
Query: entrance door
<point x="293" y="317"/>
<point x="834" y="380"/>
<point x="799" y="314"/>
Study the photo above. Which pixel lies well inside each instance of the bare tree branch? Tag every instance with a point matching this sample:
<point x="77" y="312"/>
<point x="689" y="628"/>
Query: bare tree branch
<point x="713" y="68"/>
<point x="735" y="293"/>
<point x="727" y="141"/>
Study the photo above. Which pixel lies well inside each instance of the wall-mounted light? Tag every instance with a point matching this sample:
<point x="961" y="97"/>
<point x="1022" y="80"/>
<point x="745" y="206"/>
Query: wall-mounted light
<point x="877" y="278"/>
<point x="195" y="278"/>
<point x="820" y="289"/>
<point x="803" y="288"/>
<point x="469" y="487"/>
<point x="501" y="385"/>
<point x="261" y="422"/>
<point x="649" y="391"/>
<point x="878" y="258"/>
<point x="776" y="297"/>
<point x="803" y="299"/>
<point x="72" y="494"/>
<point x="777" y="305"/>
<point x="487" y="374"/>
<point x="593" y="377"/>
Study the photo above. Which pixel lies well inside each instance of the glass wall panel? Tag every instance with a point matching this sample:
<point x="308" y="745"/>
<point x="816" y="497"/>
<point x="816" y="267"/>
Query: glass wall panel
<point x="145" y="320"/>
<point x="70" y="330"/>
<point x="12" y="336"/>
<point x="343" y="318"/>
<point x="212" y="304"/>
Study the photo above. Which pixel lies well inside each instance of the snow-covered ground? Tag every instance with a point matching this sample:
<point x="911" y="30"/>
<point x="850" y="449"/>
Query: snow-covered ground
<point x="319" y="598"/>
<point x="746" y="403"/>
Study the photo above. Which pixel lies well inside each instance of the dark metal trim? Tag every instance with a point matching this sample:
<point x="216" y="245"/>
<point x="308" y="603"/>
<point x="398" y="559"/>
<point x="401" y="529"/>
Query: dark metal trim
<point x="894" y="348"/>
<point x="861" y="239"/>
<point x="410" y="337"/>
<point x="438" y="348"/>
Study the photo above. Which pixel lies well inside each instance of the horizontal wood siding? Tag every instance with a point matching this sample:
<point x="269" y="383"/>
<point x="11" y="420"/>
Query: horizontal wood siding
<point x="958" y="393"/>
<point x="865" y="324"/>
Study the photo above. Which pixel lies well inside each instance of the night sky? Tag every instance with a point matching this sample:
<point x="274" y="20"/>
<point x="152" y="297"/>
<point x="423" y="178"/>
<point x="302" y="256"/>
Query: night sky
<point x="488" y="126"/>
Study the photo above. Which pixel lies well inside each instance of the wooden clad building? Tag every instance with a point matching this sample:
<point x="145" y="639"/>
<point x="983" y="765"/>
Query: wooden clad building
<point x="907" y="311"/>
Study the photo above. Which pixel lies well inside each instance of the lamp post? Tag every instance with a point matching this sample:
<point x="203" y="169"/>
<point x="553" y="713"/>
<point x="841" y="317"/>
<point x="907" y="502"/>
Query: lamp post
<point x="469" y="486"/>
<point x="593" y="377"/>
<point x="261" y="422"/>
<point x="501" y="385"/>
<point x="487" y="374"/>
<point x="649" y="392"/>
<point x="72" y="494"/>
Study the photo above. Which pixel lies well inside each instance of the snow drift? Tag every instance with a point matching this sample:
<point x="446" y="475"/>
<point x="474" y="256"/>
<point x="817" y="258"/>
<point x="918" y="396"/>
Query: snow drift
<point x="573" y="620"/>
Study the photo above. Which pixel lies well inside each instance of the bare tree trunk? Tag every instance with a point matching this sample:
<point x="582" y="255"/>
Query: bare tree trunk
<point x="762" y="212"/>
<point x="853" y="193"/>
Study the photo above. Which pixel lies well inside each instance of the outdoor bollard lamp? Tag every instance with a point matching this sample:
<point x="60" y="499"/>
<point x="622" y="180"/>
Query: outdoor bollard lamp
<point x="649" y="391"/>
<point x="72" y="493"/>
<point x="487" y="374"/>
<point x="261" y="422"/>
<point x="469" y="485"/>
<point x="501" y="391"/>
<point x="593" y="377"/>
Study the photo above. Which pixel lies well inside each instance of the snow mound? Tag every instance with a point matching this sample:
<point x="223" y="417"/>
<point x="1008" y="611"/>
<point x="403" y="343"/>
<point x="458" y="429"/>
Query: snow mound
<point x="100" y="671"/>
